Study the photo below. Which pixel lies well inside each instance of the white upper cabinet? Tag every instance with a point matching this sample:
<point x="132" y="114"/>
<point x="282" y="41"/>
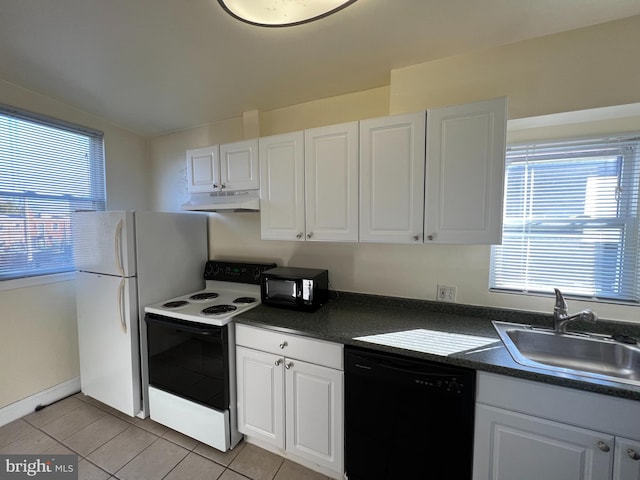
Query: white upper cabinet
<point x="331" y="183"/>
<point x="232" y="166"/>
<point x="239" y="165"/>
<point x="282" y="187"/>
<point x="203" y="169"/>
<point x="392" y="152"/>
<point x="465" y="172"/>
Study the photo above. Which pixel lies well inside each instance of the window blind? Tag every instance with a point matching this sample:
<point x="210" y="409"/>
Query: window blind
<point x="571" y="220"/>
<point x="48" y="169"/>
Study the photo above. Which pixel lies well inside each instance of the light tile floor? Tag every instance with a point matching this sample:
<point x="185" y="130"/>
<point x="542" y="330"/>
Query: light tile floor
<point x="111" y="445"/>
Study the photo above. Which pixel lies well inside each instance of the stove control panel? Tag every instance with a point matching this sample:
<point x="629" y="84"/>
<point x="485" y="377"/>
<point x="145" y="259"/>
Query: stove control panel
<point x="239" y="272"/>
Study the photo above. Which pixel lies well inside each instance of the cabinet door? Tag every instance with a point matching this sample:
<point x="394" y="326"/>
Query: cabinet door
<point x="282" y="187"/>
<point x="260" y="390"/>
<point x="627" y="459"/>
<point x="331" y="183"/>
<point x="465" y="173"/>
<point x="510" y="445"/>
<point x="392" y="178"/>
<point x="314" y="399"/>
<point x="239" y="165"/>
<point x="203" y="169"/>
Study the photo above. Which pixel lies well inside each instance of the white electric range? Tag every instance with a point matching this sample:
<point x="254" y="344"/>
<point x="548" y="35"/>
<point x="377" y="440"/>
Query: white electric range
<point x="191" y="349"/>
<point x="217" y="304"/>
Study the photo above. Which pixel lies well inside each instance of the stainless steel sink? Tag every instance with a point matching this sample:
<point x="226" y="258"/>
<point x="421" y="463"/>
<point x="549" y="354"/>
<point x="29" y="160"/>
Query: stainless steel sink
<point x="590" y="355"/>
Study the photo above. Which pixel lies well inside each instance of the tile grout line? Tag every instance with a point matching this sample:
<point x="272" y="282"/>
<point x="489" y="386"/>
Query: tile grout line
<point x="131" y="422"/>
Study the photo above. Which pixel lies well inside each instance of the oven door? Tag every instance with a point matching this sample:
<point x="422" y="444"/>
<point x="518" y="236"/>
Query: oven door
<point x="189" y="360"/>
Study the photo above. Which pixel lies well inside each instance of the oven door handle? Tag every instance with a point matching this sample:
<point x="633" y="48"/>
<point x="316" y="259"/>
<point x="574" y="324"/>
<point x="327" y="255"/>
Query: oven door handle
<point x="167" y="322"/>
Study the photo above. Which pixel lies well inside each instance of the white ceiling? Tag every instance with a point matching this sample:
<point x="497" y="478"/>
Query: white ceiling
<point x="156" y="66"/>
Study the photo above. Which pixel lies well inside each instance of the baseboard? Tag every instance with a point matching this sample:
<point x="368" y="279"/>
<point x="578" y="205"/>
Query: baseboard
<point x="27" y="405"/>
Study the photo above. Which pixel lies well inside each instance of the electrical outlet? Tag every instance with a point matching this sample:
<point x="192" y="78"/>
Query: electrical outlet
<point x="446" y="294"/>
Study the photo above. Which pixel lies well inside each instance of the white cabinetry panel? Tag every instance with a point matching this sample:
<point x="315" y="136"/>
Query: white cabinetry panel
<point x="530" y="430"/>
<point x="239" y="165"/>
<point x="314" y="416"/>
<point x="260" y="384"/>
<point x="284" y="401"/>
<point x="203" y="172"/>
<point x="511" y="445"/>
<point x="281" y="187"/>
<point x="392" y="155"/>
<point x="626" y="459"/>
<point x="465" y="172"/>
<point x="331" y="183"/>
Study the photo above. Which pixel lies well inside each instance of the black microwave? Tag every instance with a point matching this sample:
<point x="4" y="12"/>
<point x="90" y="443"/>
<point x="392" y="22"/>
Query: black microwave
<point x="299" y="288"/>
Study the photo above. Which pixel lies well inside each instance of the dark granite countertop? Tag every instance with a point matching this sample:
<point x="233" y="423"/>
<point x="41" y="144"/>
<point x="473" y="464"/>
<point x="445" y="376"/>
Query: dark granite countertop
<point x="350" y="315"/>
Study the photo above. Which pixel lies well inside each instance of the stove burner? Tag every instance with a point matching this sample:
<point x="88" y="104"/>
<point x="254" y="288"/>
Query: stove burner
<point x="203" y="296"/>
<point x="176" y="304"/>
<point x="245" y="300"/>
<point x="218" y="309"/>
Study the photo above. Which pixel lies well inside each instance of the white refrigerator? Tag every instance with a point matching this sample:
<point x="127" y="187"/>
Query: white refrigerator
<point x="124" y="261"/>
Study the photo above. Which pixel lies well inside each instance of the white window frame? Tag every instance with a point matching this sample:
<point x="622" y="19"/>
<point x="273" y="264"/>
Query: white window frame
<point x="502" y="278"/>
<point x="10" y="187"/>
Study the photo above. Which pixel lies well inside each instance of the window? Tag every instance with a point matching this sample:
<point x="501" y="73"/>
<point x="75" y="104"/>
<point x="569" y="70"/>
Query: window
<point x="571" y="220"/>
<point x="48" y="169"/>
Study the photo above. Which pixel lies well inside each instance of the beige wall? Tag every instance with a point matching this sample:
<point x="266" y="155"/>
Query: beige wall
<point x="573" y="71"/>
<point x="328" y="111"/>
<point x="39" y="343"/>
<point x="586" y="68"/>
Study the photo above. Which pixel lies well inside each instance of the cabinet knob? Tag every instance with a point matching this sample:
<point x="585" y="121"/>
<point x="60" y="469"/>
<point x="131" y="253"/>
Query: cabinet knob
<point x="215" y="185"/>
<point x="429" y="237"/>
<point x="222" y="186"/>
<point x="603" y="446"/>
<point x="299" y="235"/>
<point x="278" y="362"/>
<point x="283" y="344"/>
<point x="633" y="455"/>
<point x="310" y="234"/>
<point x="288" y="365"/>
<point x="416" y="238"/>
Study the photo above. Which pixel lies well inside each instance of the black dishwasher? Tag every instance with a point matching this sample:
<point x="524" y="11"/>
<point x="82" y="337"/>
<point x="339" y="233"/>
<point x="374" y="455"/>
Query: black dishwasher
<point x="407" y="418"/>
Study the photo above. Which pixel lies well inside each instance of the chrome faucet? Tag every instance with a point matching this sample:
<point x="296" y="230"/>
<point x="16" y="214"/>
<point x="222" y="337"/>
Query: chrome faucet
<point x="561" y="318"/>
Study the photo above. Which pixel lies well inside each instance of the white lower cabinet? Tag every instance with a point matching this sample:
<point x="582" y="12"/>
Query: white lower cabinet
<point x="510" y="445"/>
<point x="290" y="396"/>
<point x="626" y="459"/>
<point x="313" y="419"/>
<point x="530" y="431"/>
<point x="260" y="384"/>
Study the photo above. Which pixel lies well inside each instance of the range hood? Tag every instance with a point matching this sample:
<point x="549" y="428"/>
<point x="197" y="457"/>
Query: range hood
<point x="234" y="201"/>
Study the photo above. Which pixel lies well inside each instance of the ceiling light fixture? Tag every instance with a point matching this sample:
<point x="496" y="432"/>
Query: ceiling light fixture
<point x="282" y="13"/>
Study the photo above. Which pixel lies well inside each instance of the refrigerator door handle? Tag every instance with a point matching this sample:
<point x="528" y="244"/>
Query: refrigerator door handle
<point x="118" y="246"/>
<point x="123" y="323"/>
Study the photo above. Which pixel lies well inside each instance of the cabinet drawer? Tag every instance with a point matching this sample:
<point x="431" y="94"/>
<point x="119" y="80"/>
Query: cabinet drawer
<point x="291" y="346"/>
